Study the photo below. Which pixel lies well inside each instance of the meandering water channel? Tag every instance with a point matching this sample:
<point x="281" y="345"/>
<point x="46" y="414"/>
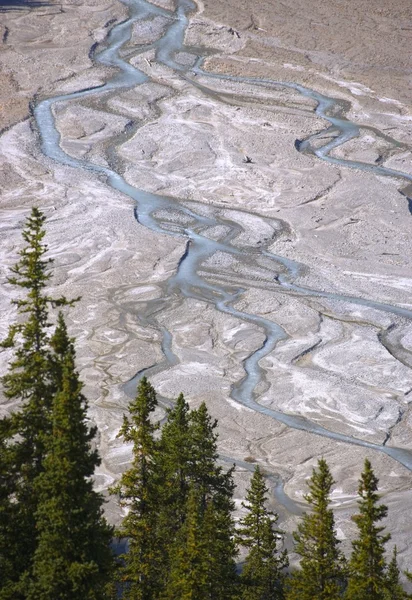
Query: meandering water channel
<point x="188" y="280"/>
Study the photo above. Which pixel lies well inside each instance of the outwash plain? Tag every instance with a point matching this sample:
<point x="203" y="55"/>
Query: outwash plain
<point x="217" y="246"/>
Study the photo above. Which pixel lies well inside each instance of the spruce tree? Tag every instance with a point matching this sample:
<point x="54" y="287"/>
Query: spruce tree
<point x="394" y="589"/>
<point x="263" y="571"/>
<point x="29" y="384"/>
<point x="9" y="555"/>
<point x="367" y="566"/>
<point x="73" y="559"/>
<point x="321" y="572"/>
<point x="187" y="461"/>
<point x="204" y="474"/>
<point x="140" y="574"/>
<point x="174" y="465"/>
<point x="188" y="578"/>
<point x="202" y="557"/>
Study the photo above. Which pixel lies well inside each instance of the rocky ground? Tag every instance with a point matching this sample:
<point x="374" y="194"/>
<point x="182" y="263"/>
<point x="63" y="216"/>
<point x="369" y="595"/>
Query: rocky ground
<point x="343" y="365"/>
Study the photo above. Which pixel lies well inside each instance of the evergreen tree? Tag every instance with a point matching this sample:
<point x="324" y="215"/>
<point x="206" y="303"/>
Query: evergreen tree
<point x="210" y="479"/>
<point x="262" y="574"/>
<point x="202" y="558"/>
<point x="321" y="572"/>
<point x="367" y="567"/>
<point x="174" y="465"/>
<point x="140" y="574"/>
<point x="8" y="516"/>
<point x="29" y="379"/>
<point x="30" y="384"/>
<point x="172" y="479"/>
<point x="394" y="589"/>
<point x="188" y="575"/>
<point x="186" y="459"/>
<point x="73" y="559"/>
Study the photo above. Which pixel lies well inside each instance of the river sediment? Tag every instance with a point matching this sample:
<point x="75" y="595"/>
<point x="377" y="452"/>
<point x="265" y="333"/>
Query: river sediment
<point x="232" y="228"/>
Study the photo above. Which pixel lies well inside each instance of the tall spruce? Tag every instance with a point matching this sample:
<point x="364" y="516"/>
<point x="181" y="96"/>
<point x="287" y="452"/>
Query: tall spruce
<point x="210" y="479"/>
<point x="172" y="479"/>
<point x="321" y="572"/>
<point x="367" y="565"/>
<point x="263" y="573"/>
<point x="73" y="559"/>
<point x="202" y="556"/>
<point x="29" y="385"/>
<point x="188" y="578"/>
<point x="197" y="505"/>
<point x="174" y="453"/>
<point x="140" y="574"/>
<point x="215" y="487"/>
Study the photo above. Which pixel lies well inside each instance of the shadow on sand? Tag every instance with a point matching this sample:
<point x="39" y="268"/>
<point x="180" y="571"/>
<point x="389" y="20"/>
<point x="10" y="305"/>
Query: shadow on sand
<point x="6" y="5"/>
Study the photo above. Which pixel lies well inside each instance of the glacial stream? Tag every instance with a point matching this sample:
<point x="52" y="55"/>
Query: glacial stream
<point x="188" y="281"/>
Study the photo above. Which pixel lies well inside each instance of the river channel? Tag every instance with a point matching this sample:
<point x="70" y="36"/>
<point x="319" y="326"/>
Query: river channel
<point x="158" y="213"/>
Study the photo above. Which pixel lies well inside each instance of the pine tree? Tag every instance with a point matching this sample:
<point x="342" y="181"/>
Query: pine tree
<point x="262" y="574"/>
<point x="73" y="559"/>
<point x="30" y="384"/>
<point x="321" y="572"/>
<point x="394" y="589"/>
<point x="367" y="566"/>
<point x="136" y="490"/>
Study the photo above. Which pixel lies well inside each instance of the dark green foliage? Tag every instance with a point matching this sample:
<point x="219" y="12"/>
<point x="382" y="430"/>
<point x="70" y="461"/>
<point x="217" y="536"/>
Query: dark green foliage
<point x="263" y="572"/>
<point x="180" y="505"/>
<point x="187" y="461"/>
<point x="202" y="558"/>
<point x="140" y="575"/>
<point x="9" y="547"/>
<point x="210" y="480"/>
<point x="31" y="384"/>
<point x="52" y="534"/>
<point x="394" y="589"/>
<point x="188" y="578"/>
<point x="367" y="566"/>
<point x="321" y="572"/>
<point x="72" y="560"/>
<point x="30" y="379"/>
<point x="173" y="459"/>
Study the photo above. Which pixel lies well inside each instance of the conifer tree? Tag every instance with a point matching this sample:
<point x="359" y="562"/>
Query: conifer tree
<point x="29" y="379"/>
<point x="394" y="589"/>
<point x="172" y="479"/>
<point x="367" y="566"/>
<point x="202" y="558"/>
<point x="140" y="574"/>
<point x="73" y="559"/>
<point x="205" y="475"/>
<point x="174" y="465"/>
<point x="321" y="572"/>
<point x="8" y="516"/>
<point x="188" y="455"/>
<point x="188" y="574"/>
<point x="262" y="574"/>
<point x="30" y="384"/>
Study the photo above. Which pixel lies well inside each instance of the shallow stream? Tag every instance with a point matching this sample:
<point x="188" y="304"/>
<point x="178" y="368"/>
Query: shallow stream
<point x="188" y="281"/>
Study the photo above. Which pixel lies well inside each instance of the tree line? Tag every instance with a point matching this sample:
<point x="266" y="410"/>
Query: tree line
<point x="183" y="541"/>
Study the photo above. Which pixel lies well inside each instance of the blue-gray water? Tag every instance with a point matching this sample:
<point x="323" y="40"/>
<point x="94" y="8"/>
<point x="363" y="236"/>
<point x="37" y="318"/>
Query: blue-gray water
<point x="187" y="281"/>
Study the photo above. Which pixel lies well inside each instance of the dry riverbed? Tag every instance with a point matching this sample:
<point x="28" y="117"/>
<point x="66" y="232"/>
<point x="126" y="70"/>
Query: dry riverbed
<point x="342" y="365"/>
